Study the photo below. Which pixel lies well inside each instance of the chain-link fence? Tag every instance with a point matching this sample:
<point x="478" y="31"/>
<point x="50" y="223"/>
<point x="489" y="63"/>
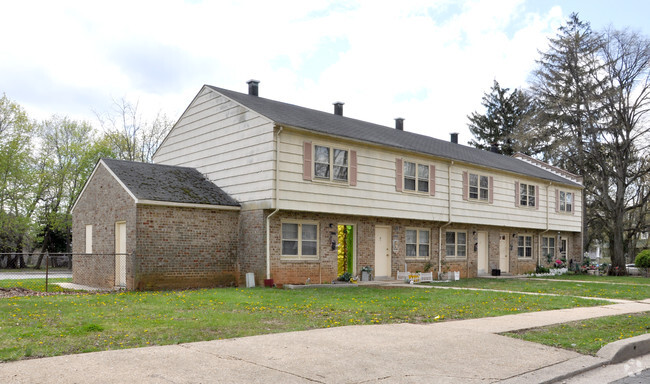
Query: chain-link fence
<point x="50" y="271"/>
<point x="39" y="272"/>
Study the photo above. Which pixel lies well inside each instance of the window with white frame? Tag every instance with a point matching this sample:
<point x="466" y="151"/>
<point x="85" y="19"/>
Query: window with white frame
<point x="526" y="195"/>
<point x="330" y="163"/>
<point x="417" y="243"/>
<point x="300" y="240"/>
<point x="525" y="247"/>
<point x="456" y="244"/>
<point x="479" y="187"/>
<point x="89" y="238"/>
<point x="548" y="247"/>
<point x="416" y="177"/>
<point x="566" y="201"/>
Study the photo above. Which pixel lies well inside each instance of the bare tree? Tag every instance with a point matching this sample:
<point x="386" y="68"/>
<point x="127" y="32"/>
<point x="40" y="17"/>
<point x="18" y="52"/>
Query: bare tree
<point x="132" y="137"/>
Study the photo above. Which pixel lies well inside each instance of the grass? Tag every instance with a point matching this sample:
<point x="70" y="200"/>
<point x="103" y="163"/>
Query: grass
<point x="629" y="288"/>
<point x="37" y="284"/>
<point x="603" y="279"/>
<point x="588" y="336"/>
<point x="59" y="325"/>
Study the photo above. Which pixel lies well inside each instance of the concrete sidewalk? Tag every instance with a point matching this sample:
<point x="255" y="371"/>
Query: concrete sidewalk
<point x="467" y="351"/>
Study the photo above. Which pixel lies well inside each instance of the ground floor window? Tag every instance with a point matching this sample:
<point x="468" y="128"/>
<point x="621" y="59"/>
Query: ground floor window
<point x="417" y="243"/>
<point x="300" y="240"/>
<point x="456" y="244"/>
<point x="548" y="248"/>
<point x="525" y="247"/>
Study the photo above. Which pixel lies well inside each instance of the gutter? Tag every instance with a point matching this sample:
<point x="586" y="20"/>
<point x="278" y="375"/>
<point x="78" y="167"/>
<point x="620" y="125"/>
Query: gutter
<point x="448" y="217"/>
<point x="277" y="207"/>
<point x="539" y="245"/>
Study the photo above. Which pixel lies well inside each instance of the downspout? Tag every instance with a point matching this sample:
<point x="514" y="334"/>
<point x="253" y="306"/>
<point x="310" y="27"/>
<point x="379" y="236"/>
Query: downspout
<point x="539" y="253"/>
<point x="448" y="217"/>
<point x="277" y="206"/>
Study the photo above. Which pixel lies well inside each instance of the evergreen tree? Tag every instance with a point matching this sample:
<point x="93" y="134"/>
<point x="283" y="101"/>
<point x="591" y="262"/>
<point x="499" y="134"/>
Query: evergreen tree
<point x="593" y="92"/>
<point x="504" y="115"/>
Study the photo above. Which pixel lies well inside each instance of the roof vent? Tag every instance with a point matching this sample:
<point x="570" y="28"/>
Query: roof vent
<point x="338" y="108"/>
<point x="454" y="137"/>
<point x="494" y="148"/>
<point x="399" y="123"/>
<point x="253" y="87"/>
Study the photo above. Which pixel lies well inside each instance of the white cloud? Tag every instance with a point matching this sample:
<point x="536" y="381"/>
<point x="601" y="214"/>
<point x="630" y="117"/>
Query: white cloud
<point x="426" y="61"/>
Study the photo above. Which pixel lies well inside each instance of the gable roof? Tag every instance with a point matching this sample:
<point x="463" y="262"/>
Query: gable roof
<point x="331" y="124"/>
<point x="167" y="183"/>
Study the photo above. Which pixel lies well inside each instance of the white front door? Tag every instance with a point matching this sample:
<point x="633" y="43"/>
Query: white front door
<point x="482" y="249"/>
<point x="382" y="252"/>
<point x="504" y="259"/>
<point x="120" y="254"/>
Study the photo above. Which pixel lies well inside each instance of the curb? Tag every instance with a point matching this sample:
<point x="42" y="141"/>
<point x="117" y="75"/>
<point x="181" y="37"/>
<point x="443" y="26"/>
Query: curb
<point x="622" y="350"/>
<point x="612" y="353"/>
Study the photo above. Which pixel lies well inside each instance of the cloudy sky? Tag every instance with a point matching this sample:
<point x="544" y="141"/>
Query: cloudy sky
<point x="428" y="61"/>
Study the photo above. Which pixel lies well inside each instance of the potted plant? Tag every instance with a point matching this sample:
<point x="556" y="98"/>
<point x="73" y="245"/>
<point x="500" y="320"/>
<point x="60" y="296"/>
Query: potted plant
<point x="366" y="273"/>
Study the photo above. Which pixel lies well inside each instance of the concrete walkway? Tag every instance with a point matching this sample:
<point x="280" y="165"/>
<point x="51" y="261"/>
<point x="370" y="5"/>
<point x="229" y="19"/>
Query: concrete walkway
<point x="467" y="351"/>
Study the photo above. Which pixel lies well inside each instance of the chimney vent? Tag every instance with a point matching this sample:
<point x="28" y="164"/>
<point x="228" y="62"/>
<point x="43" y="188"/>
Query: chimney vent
<point x="494" y="148"/>
<point x="399" y="124"/>
<point x="338" y="108"/>
<point x="253" y="86"/>
<point x="454" y="137"/>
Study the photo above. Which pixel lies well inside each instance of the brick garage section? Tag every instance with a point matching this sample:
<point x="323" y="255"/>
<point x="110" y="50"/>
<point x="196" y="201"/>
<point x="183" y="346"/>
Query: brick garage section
<point x="103" y="203"/>
<point x="186" y="247"/>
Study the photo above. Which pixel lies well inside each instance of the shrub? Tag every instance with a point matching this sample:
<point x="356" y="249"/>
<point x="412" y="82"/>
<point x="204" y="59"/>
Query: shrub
<point x="345" y="277"/>
<point x="540" y="269"/>
<point x="642" y="260"/>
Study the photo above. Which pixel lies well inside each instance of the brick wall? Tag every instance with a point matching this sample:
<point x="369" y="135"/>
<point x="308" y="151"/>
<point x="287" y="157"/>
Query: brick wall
<point x="186" y="247"/>
<point x="103" y="203"/>
<point x="252" y="244"/>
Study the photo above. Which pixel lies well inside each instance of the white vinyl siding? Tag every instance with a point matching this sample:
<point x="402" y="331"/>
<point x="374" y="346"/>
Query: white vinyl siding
<point x="231" y="145"/>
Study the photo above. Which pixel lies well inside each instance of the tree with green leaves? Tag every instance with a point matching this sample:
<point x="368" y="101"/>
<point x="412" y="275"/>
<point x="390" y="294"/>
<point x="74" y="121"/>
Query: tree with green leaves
<point x="18" y="194"/>
<point x="593" y="92"/>
<point x="505" y="115"/>
<point x="69" y="152"/>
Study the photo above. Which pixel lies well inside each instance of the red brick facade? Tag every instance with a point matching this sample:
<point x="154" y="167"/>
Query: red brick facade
<point x="178" y="247"/>
<point x="169" y="247"/>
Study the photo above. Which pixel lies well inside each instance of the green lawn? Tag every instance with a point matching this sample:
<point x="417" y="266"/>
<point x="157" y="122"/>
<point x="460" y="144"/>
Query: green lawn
<point x="36" y="284"/>
<point x="66" y="324"/>
<point x="588" y="336"/>
<point x="630" y="288"/>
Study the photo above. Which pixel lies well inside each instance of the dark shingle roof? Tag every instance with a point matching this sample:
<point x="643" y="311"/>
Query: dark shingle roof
<point x="331" y="124"/>
<point x="168" y="183"/>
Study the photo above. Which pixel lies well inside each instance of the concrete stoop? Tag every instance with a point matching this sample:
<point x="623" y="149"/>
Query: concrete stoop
<point x="612" y="353"/>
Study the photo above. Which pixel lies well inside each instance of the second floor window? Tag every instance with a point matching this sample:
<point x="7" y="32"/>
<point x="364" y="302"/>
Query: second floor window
<point x="566" y="201"/>
<point x="416" y="177"/>
<point x="479" y="187"/>
<point x="330" y="163"/>
<point x="526" y="195"/>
